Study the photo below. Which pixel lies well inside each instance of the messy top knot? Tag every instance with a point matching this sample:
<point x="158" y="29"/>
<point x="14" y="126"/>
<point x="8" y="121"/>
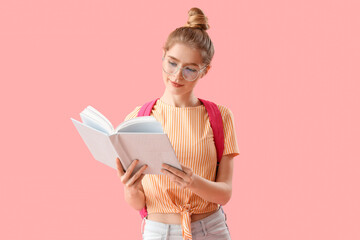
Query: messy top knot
<point x="194" y="35"/>
<point x="197" y="19"/>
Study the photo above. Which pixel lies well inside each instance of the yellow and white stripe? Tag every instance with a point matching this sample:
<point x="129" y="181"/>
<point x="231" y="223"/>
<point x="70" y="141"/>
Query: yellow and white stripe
<point x="191" y="136"/>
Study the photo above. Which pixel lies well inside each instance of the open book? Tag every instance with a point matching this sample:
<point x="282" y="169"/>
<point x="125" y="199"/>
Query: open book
<point x="139" y="138"/>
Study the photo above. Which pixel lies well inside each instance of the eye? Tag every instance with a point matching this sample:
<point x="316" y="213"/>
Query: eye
<point x="172" y="64"/>
<point x="191" y="70"/>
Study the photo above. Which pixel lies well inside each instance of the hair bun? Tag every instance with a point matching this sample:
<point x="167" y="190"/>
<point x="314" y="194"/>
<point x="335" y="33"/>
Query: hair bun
<point x="197" y="19"/>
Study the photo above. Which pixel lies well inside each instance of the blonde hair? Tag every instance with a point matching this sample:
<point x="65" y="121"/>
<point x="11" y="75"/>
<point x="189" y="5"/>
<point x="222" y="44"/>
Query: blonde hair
<point x="194" y="35"/>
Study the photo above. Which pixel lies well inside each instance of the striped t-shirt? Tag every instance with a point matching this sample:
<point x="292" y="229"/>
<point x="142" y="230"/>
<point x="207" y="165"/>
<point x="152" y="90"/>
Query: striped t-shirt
<point x="191" y="136"/>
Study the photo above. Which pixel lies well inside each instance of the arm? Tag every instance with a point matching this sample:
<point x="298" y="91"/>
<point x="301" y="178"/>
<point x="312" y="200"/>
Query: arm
<point x="218" y="192"/>
<point x="133" y="189"/>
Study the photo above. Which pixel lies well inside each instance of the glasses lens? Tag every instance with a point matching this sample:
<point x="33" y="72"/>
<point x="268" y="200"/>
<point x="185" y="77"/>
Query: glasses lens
<point x="189" y="73"/>
<point x="169" y="66"/>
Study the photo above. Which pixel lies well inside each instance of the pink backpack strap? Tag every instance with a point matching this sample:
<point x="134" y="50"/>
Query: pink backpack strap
<point x="143" y="212"/>
<point x="216" y="125"/>
<point x="145" y="110"/>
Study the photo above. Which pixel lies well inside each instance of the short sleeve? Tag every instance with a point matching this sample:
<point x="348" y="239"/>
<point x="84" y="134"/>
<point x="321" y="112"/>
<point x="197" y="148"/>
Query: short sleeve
<point x="230" y="140"/>
<point x="133" y="114"/>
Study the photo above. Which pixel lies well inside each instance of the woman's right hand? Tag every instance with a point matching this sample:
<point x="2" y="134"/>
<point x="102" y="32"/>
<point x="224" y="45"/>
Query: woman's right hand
<point x="132" y="182"/>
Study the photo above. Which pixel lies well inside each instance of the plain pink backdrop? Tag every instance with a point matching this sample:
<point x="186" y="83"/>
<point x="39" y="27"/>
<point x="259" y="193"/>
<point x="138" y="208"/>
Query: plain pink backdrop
<point x="288" y="70"/>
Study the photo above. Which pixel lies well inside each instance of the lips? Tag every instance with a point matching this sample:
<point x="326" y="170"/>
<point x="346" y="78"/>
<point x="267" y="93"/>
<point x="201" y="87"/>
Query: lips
<point x="175" y="84"/>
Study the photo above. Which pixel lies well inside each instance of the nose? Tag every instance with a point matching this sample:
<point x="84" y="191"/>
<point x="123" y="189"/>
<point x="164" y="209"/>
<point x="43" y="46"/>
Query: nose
<point x="178" y="75"/>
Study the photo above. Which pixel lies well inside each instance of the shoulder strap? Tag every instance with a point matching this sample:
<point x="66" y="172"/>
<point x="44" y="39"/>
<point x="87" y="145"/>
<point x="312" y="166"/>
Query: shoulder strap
<point x="145" y="110"/>
<point x="216" y="125"/>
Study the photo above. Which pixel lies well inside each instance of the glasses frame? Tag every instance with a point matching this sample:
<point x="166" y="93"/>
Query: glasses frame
<point x="182" y="72"/>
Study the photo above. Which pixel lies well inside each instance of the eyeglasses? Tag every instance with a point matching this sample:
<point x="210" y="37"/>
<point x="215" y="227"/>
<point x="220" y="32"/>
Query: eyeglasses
<point x="190" y="73"/>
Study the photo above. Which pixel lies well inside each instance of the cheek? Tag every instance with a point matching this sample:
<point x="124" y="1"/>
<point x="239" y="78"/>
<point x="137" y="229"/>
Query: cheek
<point x="191" y="85"/>
<point x="165" y="77"/>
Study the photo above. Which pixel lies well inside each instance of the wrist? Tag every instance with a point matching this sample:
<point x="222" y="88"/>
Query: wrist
<point x="131" y="192"/>
<point x="194" y="182"/>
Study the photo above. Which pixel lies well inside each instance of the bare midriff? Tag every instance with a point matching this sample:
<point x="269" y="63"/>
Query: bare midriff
<point x="175" y="218"/>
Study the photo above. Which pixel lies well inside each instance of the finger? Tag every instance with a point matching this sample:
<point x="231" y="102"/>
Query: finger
<point x="172" y="176"/>
<point x="138" y="181"/>
<point x="136" y="176"/>
<point x="134" y="181"/>
<point x="129" y="171"/>
<point x="189" y="173"/>
<point x="184" y="179"/>
<point x="187" y="170"/>
<point x="119" y="167"/>
<point x="175" y="171"/>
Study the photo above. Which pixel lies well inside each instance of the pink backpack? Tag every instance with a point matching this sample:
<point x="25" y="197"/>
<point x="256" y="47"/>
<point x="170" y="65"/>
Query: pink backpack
<point x="216" y="124"/>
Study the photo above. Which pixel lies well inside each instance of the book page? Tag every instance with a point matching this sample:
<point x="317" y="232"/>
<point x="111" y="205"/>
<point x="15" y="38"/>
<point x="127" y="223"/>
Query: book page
<point x="98" y="144"/>
<point x="93" y="118"/>
<point x="140" y="124"/>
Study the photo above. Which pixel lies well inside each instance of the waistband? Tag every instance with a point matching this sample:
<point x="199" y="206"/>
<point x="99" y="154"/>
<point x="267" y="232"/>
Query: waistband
<point x="201" y="224"/>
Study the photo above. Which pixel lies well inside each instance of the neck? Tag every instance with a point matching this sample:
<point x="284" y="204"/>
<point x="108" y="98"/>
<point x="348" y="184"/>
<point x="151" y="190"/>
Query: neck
<point x="185" y="100"/>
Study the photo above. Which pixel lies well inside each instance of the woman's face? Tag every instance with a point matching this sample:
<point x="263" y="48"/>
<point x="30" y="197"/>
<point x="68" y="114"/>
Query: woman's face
<point x="182" y="55"/>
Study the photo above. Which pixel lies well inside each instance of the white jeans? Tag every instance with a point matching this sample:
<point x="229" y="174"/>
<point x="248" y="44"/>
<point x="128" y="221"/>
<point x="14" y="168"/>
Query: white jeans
<point x="209" y="228"/>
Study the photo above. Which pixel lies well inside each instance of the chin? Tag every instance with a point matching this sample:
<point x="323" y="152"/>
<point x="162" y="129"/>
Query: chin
<point x="175" y="91"/>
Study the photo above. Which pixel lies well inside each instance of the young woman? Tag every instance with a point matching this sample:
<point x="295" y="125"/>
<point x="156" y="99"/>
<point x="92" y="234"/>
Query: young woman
<point x="185" y="204"/>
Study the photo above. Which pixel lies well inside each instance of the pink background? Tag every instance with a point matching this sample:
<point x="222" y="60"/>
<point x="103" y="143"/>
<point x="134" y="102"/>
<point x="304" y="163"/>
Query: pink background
<point x="288" y="70"/>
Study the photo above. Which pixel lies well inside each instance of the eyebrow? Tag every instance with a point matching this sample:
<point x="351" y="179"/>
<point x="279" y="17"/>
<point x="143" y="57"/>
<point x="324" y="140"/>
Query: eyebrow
<point x="185" y="63"/>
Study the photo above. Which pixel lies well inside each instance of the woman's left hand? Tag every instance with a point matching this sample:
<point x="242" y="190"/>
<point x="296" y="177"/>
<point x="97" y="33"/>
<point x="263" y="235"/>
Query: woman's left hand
<point x="182" y="179"/>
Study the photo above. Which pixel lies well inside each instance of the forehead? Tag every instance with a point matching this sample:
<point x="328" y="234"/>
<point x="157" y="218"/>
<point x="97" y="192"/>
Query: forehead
<point x="185" y="54"/>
